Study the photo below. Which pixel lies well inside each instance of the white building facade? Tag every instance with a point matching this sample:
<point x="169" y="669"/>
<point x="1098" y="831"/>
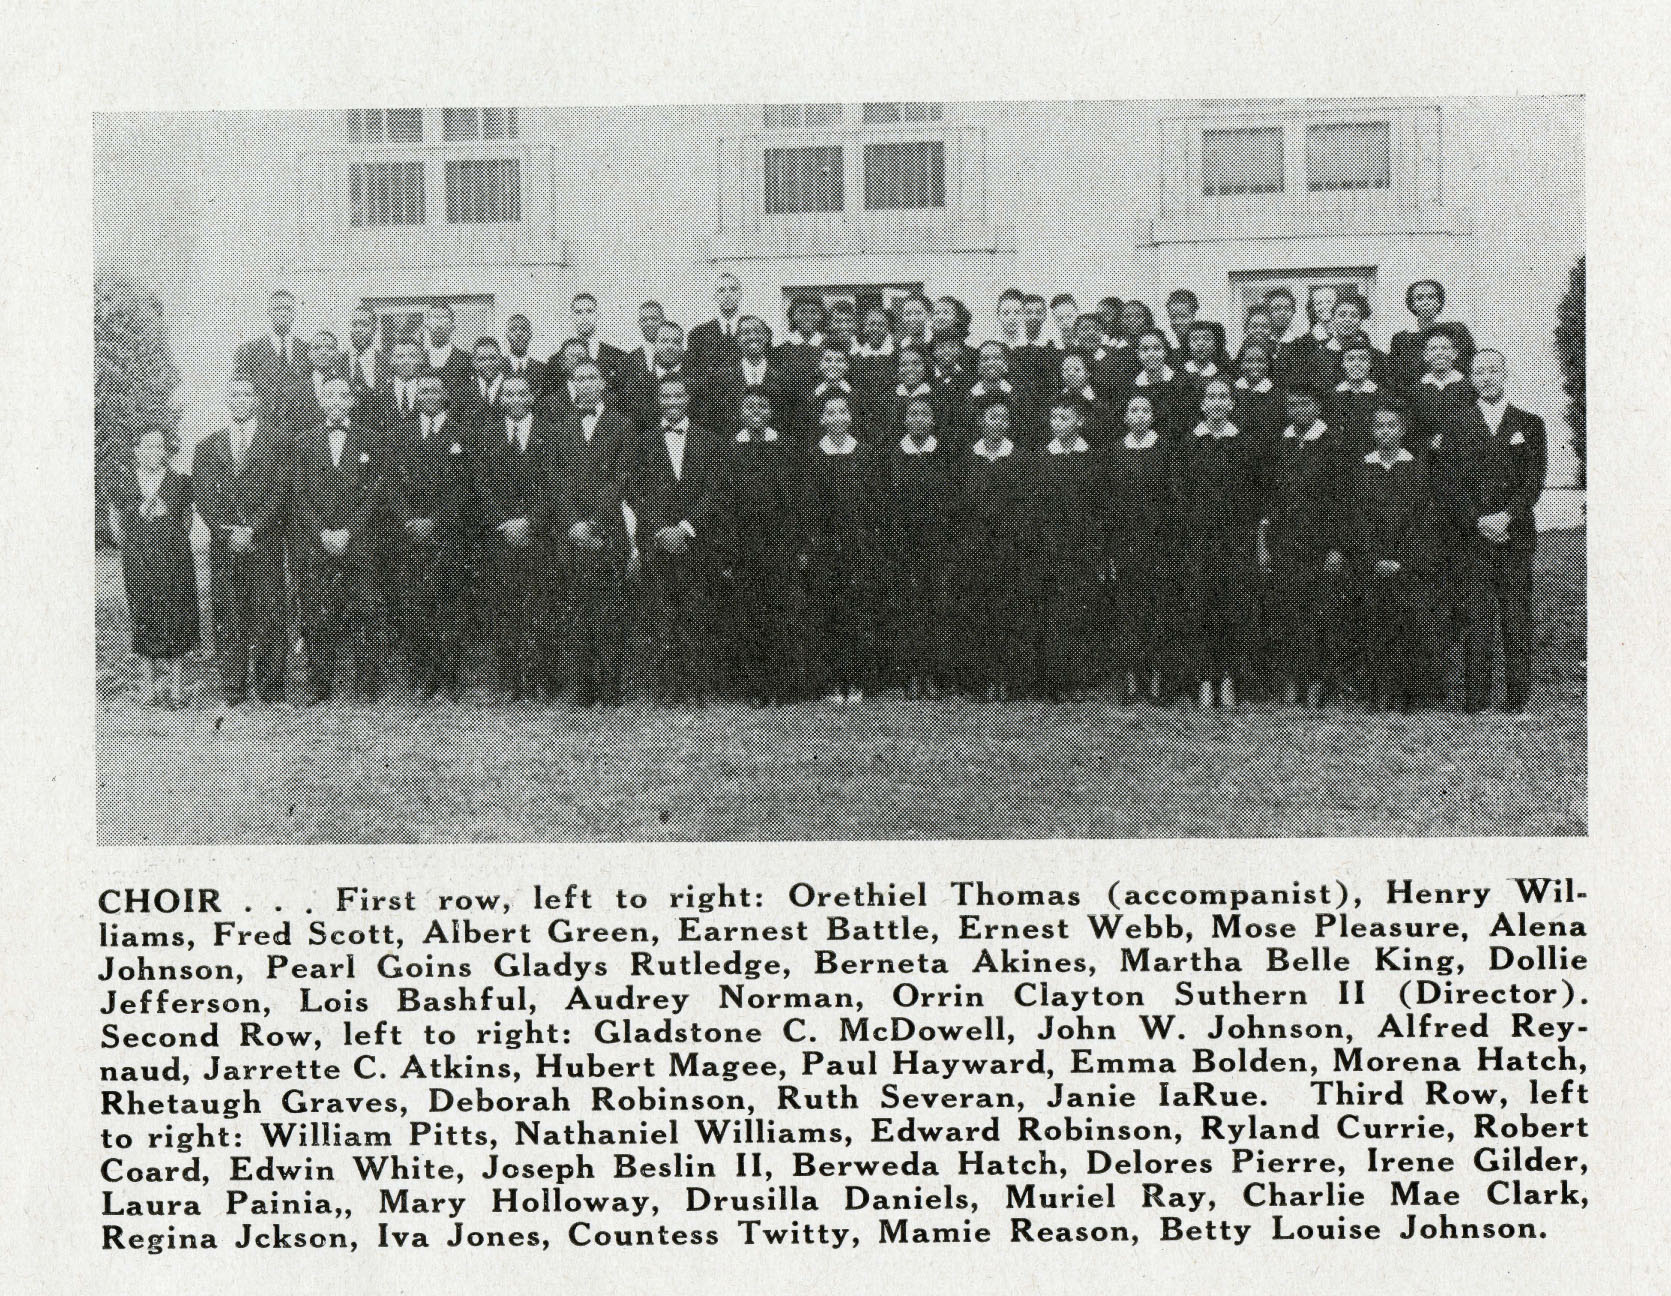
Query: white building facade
<point x="502" y="210"/>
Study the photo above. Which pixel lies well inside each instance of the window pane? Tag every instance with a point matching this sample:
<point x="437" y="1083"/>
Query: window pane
<point x="1354" y="155"/>
<point x="484" y="189"/>
<point x="498" y="123"/>
<point x="803" y="180"/>
<point x="459" y="124"/>
<point x="404" y="125"/>
<point x="822" y="114"/>
<point x="795" y="116"/>
<point x="881" y="114"/>
<point x="905" y="174"/>
<point x="386" y="193"/>
<point x="1241" y="161"/>
<point x="921" y="112"/>
<point x="359" y="124"/>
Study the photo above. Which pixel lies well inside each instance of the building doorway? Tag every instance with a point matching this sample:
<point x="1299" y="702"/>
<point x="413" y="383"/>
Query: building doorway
<point x="1249" y="286"/>
<point x="402" y="318"/>
<point x="863" y="296"/>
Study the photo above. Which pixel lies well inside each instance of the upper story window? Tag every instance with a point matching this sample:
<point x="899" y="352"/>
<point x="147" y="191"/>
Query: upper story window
<point x="1348" y="155"/>
<point x="905" y="174"/>
<point x="478" y="123"/>
<point x="800" y="116"/>
<point x="892" y="114"/>
<point x="804" y="180"/>
<point x="386" y="193"/>
<point x="386" y="125"/>
<point x="1242" y="161"/>
<point x="484" y="189"/>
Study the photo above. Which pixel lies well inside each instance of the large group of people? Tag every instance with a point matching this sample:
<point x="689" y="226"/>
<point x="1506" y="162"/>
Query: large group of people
<point x="880" y="499"/>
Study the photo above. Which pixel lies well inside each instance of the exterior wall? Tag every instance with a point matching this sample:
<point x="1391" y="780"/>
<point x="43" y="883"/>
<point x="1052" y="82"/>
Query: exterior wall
<point x="213" y="210"/>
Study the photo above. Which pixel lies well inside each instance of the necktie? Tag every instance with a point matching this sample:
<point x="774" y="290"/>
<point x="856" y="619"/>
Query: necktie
<point x="240" y="444"/>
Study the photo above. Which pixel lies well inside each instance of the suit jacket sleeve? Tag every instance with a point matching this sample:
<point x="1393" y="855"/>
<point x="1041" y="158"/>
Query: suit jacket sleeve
<point x="1536" y="464"/>
<point x="209" y="474"/>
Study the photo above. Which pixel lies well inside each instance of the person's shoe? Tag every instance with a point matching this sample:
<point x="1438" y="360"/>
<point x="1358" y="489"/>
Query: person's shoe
<point x="1226" y="693"/>
<point x="857" y="695"/>
<point x="1204" y="698"/>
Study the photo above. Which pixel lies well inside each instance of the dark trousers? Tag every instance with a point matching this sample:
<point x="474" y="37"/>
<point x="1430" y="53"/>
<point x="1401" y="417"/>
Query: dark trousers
<point x="1398" y="640"/>
<point x="763" y="663"/>
<point x="518" y="614"/>
<point x="681" y="620"/>
<point x="1497" y="587"/>
<point x="840" y="596"/>
<point x="1219" y="617"/>
<point x="1064" y="650"/>
<point x="429" y="611"/>
<point x="1143" y="600"/>
<point x="594" y="627"/>
<point x="342" y="612"/>
<point x="918" y="620"/>
<point x="996" y="615"/>
<point x="1305" y="605"/>
<point x="247" y="605"/>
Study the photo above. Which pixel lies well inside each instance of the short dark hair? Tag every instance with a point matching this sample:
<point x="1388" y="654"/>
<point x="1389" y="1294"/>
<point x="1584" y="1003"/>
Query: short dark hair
<point x="1183" y="295"/>
<point x="989" y="400"/>
<point x="1012" y="294"/>
<point x="1358" y="342"/>
<point x="1063" y="299"/>
<point x="439" y="306"/>
<point x="1392" y="405"/>
<point x="481" y="342"/>
<point x="515" y="317"/>
<point x="281" y="292"/>
<point x="1350" y="298"/>
<point x="1280" y="291"/>
<point x="580" y="297"/>
<point x="644" y="306"/>
<point x="587" y="363"/>
<point x="1434" y="284"/>
<point x="1068" y="402"/>
<point x="1030" y="298"/>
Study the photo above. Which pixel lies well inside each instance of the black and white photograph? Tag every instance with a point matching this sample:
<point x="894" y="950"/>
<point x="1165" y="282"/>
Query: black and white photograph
<point x="841" y="471"/>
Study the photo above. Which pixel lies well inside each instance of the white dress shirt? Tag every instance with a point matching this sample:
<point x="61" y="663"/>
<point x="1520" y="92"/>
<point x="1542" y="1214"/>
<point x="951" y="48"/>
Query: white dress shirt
<point x="674" y="435"/>
<point x="241" y="435"/>
<point x="516" y="431"/>
<point x="754" y="374"/>
<point x="1493" y="413"/>
<point x="338" y="437"/>
<point x="366" y="363"/>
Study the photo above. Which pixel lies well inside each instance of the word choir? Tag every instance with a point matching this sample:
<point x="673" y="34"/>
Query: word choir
<point x="869" y="502"/>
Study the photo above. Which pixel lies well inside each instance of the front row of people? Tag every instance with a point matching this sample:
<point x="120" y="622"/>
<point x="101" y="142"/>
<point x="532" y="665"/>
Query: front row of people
<point x="855" y="555"/>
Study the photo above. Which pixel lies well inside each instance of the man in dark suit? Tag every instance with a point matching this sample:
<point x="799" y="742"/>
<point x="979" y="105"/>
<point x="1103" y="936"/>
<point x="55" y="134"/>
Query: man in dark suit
<point x="592" y="446"/>
<point x="324" y="363"/>
<point x="719" y="394"/>
<point x="276" y="362"/>
<point x="441" y="356"/>
<point x="479" y="403"/>
<point x="558" y="399"/>
<point x="638" y="362"/>
<point x="365" y="366"/>
<point x="675" y="490"/>
<point x="608" y="358"/>
<point x="516" y="495"/>
<point x="430" y="487"/>
<point x="1489" y="472"/>
<point x="241" y="480"/>
<point x="395" y="398"/>
<point x="339" y="488"/>
<point x="519" y="335"/>
<point x="713" y="345"/>
<point x="639" y="399"/>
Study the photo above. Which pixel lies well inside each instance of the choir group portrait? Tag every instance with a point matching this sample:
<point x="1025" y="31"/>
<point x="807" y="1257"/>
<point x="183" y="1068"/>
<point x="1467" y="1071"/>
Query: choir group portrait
<point x="769" y="547"/>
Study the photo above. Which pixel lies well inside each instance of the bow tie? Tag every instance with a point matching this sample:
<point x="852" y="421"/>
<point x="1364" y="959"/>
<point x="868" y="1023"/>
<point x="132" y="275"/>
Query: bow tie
<point x="672" y="429"/>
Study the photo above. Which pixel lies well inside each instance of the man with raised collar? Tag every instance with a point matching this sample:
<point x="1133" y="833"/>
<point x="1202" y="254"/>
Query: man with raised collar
<point x="241" y="480"/>
<point x="339" y="489"/>
<point x="719" y="394"/>
<point x="592" y="445"/>
<point x="480" y="402"/>
<point x="519" y="335"/>
<point x="609" y="359"/>
<point x="516" y="490"/>
<point x="1489" y="474"/>
<point x="431" y="494"/>
<point x="640" y="400"/>
<point x="441" y="356"/>
<point x="365" y="366"/>
<point x="276" y="362"/>
<point x="714" y="345"/>
<point x="675" y="489"/>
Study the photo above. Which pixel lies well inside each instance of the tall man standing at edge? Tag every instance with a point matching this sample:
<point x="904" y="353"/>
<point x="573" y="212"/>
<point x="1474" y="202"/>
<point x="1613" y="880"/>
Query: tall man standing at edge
<point x="713" y="345"/>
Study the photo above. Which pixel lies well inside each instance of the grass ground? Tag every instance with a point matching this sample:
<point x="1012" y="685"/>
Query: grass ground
<point x="469" y="772"/>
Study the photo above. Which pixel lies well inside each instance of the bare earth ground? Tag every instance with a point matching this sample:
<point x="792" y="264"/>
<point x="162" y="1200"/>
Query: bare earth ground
<point x="474" y="771"/>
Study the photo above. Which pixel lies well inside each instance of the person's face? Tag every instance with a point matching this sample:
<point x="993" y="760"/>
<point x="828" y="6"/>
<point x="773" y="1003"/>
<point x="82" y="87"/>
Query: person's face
<point x="282" y="312"/>
<point x="945" y="318"/>
<point x="876" y="327"/>
<point x="573" y="354"/>
<point x="1064" y="424"/>
<point x="240" y="401"/>
<point x="486" y="361"/>
<point x="912" y="317"/>
<point x="911" y="369"/>
<point x="1216" y="404"/>
<point x="670" y="346"/>
<point x="1259" y="325"/>
<point x="1065" y="315"/>
<point x="406" y="360"/>
<point x="649" y="322"/>
<point x="1201" y="346"/>
<point x="1182" y="315"/>
<point x="361" y="330"/>
<point x="322" y="352"/>
<point x="1140" y="415"/>
<point x="751" y="338"/>
<point x="516" y="397"/>
<point x="1256" y="366"/>
<point x="995" y="423"/>
<point x="833" y="365"/>
<point x="588" y="384"/>
<point x="149" y="451"/>
<point x="1086" y="333"/>
<point x="1108" y="317"/>
<point x="432" y="395"/>
<point x="803" y="318"/>
<point x="337" y="400"/>
<point x="585" y="312"/>
<point x="1389" y="432"/>
<point x="1347" y="320"/>
<point x="1074" y="375"/>
<point x="439" y="322"/>
<point x="1322" y="302"/>
<point x="844" y="320"/>
<point x="675" y="401"/>
<point x="728" y="295"/>
<point x="837" y="419"/>
<point x="1489" y="376"/>
<point x="1441" y="354"/>
<point x="1356" y="365"/>
<point x="756" y="413"/>
<point x="946" y="354"/>
<point x="992" y="365"/>
<point x="1302" y="410"/>
<point x="1151" y="353"/>
<point x="518" y="334"/>
<point x="1032" y="318"/>
<point x="919" y="419"/>
<point x="1133" y="319"/>
<point x="1282" y="315"/>
<point x="1424" y="302"/>
<point x="1009" y="317"/>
